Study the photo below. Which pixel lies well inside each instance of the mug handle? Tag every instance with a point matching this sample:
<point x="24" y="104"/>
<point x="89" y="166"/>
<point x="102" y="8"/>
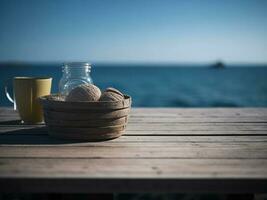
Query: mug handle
<point x="9" y="98"/>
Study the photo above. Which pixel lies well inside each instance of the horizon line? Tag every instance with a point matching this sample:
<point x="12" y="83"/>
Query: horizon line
<point x="135" y="62"/>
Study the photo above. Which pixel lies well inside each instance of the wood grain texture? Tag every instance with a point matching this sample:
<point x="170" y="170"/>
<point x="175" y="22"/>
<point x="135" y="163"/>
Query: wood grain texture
<point x="43" y="131"/>
<point x="133" y="168"/>
<point x="182" y="131"/>
<point x="164" y="175"/>
<point x="162" y="150"/>
<point x="43" y="140"/>
<point x="180" y="115"/>
<point x="245" y="150"/>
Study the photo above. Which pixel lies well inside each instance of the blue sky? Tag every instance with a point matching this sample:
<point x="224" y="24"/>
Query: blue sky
<point x="134" y="30"/>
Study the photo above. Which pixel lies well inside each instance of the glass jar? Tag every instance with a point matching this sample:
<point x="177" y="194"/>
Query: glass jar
<point x="74" y="74"/>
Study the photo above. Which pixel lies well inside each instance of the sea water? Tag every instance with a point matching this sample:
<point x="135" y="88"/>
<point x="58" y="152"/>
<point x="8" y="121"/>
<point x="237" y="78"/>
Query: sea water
<point x="162" y="85"/>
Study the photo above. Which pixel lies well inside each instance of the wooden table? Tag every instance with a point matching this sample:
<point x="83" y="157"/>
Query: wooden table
<point x="163" y="150"/>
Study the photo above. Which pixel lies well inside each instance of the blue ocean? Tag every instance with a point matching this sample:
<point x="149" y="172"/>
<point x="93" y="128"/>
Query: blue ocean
<point x="162" y="85"/>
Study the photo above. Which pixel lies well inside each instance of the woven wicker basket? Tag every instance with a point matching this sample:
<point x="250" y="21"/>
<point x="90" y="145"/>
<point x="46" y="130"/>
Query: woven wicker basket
<point x="88" y="121"/>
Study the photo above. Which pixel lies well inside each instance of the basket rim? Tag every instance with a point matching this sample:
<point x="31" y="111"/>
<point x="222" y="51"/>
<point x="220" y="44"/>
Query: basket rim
<point x="46" y="99"/>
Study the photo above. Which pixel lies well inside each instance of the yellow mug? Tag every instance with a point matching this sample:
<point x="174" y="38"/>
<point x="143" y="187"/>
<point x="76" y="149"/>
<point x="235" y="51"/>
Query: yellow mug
<point x="26" y="91"/>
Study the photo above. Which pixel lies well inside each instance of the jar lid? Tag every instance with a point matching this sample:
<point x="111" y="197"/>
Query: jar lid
<point x="77" y="64"/>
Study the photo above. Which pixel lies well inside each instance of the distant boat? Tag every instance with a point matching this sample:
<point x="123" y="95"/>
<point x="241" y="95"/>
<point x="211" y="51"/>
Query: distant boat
<point x="218" y="65"/>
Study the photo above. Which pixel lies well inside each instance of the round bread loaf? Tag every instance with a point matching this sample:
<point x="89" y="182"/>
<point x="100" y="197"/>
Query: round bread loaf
<point x="84" y="92"/>
<point x="111" y="94"/>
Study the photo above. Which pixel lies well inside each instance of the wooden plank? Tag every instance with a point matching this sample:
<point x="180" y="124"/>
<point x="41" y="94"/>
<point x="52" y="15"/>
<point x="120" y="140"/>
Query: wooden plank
<point x="167" y="150"/>
<point x="43" y="131"/>
<point x="245" y="150"/>
<point x="190" y="112"/>
<point x="11" y="119"/>
<point x="200" y="111"/>
<point x="134" y="168"/>
<point x="199" y="126"/>
<point x="166" y="124"/>
<point x="166" y="175"/>
<point x="45" y="140"/>
<point x="184" y="139"/>
<point x="139" y="119"/>
<point x="143" y="115"/>
<point x="131" y="122"/>
<point x="192" y="133"/>
<point x="26" y="130"/>
<point x="175" y="127"/>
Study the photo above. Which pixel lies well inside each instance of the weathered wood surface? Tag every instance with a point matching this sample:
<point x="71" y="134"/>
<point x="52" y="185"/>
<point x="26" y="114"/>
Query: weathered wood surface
<point x="163" y="150"/>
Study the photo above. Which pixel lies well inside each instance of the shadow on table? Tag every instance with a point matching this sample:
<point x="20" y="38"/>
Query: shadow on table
<point x="28" y="135"/>
<point x="11" y="122"/>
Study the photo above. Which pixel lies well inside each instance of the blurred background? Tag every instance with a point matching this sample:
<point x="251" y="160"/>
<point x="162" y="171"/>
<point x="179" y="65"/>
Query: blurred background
<point x="164" y="53"/>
